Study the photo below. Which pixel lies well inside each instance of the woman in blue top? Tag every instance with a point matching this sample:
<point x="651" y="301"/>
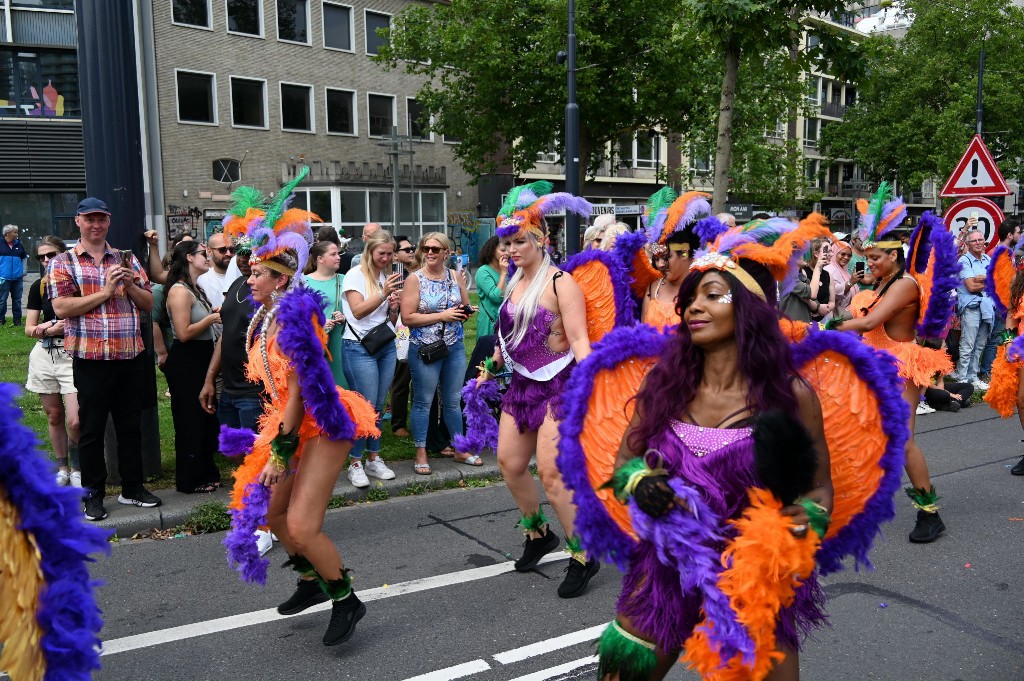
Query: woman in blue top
<point x="491" y="279"/>
<point x="435" y="303"/>
<point x="322" y="275"/>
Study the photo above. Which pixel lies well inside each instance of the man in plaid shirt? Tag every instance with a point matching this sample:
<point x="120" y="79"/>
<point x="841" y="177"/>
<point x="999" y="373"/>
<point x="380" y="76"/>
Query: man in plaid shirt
<point x="100" y="294"/>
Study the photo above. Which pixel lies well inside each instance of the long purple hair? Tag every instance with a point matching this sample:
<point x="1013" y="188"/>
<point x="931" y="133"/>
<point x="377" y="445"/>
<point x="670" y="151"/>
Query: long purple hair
<point x="763" y="354"/>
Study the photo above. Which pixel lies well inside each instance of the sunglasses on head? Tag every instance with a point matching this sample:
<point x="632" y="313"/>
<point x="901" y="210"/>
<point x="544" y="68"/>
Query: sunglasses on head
<point x="224" y="250"/>
<point x="43" y="257"/>
<point x="433" y="249"/>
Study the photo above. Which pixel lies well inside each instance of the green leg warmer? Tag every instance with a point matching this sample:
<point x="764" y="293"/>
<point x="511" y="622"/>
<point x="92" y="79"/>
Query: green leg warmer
<point x="300" y="564"/>
<point x="924" y="499"/>
<point x="622" y="653"/>
<point x="535" y="522"/>
<point x="574" y="549"/>
<point x="337" y="589"/>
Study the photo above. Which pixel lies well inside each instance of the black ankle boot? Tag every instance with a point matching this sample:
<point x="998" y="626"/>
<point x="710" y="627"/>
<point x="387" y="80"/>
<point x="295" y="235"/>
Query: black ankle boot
<point x="535" y="549"/>
<point x="306" y="595"/>
<point x="928" y="528"/>
<point x="344" y="615"/>
<point x="577" y="575"/>
<point x="1018" y="469"/>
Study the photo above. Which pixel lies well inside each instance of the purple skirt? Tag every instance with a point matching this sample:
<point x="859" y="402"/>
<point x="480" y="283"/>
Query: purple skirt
<point x="527" y="401"/>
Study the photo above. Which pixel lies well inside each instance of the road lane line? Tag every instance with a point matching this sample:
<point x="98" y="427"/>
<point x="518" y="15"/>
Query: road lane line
<point x="552" y="672"/>
<point x="195" y="630"/>
<point x="459" y="671"/>
<point x="551" y="644"/>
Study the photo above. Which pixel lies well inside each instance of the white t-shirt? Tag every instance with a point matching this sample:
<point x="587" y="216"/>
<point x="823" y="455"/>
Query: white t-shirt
<point x="214" y="285"/>
<point x="233" y="272"/>
<point x="356" y="281"/>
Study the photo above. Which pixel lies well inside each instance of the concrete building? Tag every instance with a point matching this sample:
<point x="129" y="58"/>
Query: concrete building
<point x="250" y="90"/>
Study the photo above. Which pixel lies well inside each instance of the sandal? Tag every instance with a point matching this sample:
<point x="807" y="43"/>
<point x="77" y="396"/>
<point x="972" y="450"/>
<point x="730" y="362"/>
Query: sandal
<point x="470" y="460"/>
<point x="448" y="453"/>
<point x="206" y="488"/>
<point x="421" y="468"/>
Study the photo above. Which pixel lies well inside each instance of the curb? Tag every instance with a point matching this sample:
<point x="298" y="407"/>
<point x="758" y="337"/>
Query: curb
<point x="127" y="521"/>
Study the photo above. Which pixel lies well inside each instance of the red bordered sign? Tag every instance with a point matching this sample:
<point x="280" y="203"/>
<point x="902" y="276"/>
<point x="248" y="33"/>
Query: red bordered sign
<point x="976" y="174"/>
<point x="989" y="218"/>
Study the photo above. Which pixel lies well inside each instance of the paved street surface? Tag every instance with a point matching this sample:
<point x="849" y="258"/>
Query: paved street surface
<point x="443" y="602"/>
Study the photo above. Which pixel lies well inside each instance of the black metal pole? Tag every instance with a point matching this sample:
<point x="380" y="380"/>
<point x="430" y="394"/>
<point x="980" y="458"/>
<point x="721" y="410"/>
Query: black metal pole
<point x="981" y="78"/>
<point x="572" y="140"/>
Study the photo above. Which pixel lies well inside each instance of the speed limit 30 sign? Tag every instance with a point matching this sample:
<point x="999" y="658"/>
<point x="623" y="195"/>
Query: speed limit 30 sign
<point x="989" y="218"/>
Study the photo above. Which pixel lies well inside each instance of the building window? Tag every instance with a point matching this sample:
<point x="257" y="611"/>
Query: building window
<point x="248" y="103"/>
<point x="451" y="139"/>
<point x="811" y="129"/>
<point x="648" y="150"/>
<point x="191" y="13"/>
<point x="293" y="21"/>
<point x="374" y="21"/>
<point x="381" y="110"/>
<point x="418" y="122"/>
<point x="341" y="112"/>
<point x="227" y="170"/>
<point x="337" y="26"/>
<point x="548" y="155"/>
<point x="811" y="173"/>
<point x="296" y="107"/>
<point x="45" y="4"/>
<point x="245" y="17"/>
<point x="39" y="84"/>
<point x="197" y="97"/>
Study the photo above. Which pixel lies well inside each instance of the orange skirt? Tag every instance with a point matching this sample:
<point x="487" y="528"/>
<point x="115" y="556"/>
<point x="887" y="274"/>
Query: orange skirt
<point x="916" y="364"/>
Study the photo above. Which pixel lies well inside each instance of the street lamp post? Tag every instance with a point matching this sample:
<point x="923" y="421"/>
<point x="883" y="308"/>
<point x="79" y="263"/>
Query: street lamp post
<point x="572" y="139"/>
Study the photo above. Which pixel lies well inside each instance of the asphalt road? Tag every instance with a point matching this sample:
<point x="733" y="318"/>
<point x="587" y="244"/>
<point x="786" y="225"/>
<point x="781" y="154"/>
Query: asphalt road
<point x="443" y="603"/>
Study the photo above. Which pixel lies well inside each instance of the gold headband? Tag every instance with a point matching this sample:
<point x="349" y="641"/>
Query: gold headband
<point x="517" y="221"/>
<point x="276" y="266"/>
<point x="883" y="244"/>
<point x="716" y="261"/>
<point x="680" y="248"/>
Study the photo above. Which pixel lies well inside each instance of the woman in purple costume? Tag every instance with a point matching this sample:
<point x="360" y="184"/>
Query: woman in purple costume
<point x="727" y="364"/>
<point x="542" y="333"/>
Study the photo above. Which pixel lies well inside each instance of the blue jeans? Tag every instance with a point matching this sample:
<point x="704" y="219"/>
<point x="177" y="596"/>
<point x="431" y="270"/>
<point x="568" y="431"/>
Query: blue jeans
<point x="12" y="288"/>
<point x="449" y="372"/>
<point x="989" y="354"/>
<point x="239" y="411"/>
<point x="973" y="335"/>
<point x="370" y="376"/>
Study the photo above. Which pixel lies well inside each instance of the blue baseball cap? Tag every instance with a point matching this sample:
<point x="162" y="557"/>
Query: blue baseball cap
<point x="92" y="205"/>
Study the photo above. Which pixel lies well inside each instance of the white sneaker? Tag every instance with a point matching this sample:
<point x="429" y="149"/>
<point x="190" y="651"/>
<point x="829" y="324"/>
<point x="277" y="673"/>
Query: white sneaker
<point x="264" y="542"/>
<point x="923" y="408"/>
<point x="980" y="385"/>
<point x="378" y="469"/>
<point x="63" y="478"/>
<point x="356" y="475"/>
<point x="76" y="479"/>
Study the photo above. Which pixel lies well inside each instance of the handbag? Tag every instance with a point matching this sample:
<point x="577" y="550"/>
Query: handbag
<point x="376" y="338"/>
<point x="432" y="352"/>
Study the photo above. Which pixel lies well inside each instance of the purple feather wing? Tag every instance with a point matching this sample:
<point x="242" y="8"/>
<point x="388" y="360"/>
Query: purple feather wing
<point x="865" y="421"/>
<point x="933" y="265"/>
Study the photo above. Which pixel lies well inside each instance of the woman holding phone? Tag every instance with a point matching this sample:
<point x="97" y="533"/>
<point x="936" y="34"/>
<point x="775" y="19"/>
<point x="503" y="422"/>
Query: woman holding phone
<point x="321" y="274"/>
<point x="435" y="304"/>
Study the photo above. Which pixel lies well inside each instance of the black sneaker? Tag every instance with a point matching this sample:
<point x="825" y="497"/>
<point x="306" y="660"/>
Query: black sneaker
<point x="535" y="549"/>
<point x="577" y="575"/>
<point x="928" y="528"/>
<point x="94" y="508"/>
<point x="344" y="615"/>
<point x="141" y="498"/>
<point x="306" y="595"/>
<point x="1018" y="469"/>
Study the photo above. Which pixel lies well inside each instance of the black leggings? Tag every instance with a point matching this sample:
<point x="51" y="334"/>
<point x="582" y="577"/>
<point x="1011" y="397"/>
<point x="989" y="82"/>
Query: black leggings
<point x="195" y="431"/>
<point x="940" y="399"/>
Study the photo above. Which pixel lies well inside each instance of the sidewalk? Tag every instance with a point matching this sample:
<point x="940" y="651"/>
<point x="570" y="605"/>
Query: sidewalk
<point x="129" y="520"/>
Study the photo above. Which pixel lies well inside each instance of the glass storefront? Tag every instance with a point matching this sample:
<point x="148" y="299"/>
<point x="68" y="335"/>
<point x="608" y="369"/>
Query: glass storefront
<point x="40" y="214"/>
<point x="39" y="83"/>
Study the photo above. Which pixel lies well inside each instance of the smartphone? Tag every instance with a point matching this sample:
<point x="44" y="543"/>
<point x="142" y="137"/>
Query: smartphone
<point x="126" y="259"/>
<point x="859" y="268"/>
<point x="468" y="310"/>
<point x="396" y="268"/>
<point x="974" y="215"/>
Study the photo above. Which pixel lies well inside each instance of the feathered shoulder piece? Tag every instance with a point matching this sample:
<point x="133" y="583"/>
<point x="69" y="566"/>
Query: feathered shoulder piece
<point x="526" y="206"/>
<point x="999" y="278"/>
<point x="773" y="243"/>
<point x="932" y="263"/>
<point x="267" y="227"/>
<point x="879" y="216"/>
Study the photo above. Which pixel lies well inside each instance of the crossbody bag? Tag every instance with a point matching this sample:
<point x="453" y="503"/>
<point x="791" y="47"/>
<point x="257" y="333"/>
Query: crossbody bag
<point x="438" y="350"/>
<point x="376" y="338"/>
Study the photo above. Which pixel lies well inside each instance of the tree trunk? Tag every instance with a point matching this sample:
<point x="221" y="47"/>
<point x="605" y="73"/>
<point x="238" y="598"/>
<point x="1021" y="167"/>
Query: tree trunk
<point x="723" y="151"/>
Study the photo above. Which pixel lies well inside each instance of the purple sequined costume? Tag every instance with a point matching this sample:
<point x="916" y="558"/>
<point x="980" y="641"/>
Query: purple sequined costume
<point x="720" y="463"/>
<point x="538" y="375"/>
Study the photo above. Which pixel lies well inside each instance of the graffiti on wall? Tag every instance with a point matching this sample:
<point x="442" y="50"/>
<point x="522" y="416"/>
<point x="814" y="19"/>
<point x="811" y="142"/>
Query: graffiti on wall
<point x="463" y="228"/>
<point x="182" y="220"/>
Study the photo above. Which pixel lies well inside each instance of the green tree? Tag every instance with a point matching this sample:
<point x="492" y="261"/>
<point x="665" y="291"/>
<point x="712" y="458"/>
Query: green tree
<point x="916" y="106"/>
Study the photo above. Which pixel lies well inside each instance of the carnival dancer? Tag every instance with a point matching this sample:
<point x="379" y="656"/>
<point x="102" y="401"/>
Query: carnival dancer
<point x="907" y="303"/>
<point x="542" y="333"/>
<point x="306" y="431"/>
<point x="724" y="406"/>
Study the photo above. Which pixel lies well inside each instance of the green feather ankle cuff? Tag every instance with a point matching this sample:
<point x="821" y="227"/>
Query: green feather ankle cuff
<point x="575" y="549"/>
<point x="625" y="656"/>
<point x="337" y="589"/>
<point x="923" y="499"/>
<point x="300" y="564"/>
<point x="535" y="522"/>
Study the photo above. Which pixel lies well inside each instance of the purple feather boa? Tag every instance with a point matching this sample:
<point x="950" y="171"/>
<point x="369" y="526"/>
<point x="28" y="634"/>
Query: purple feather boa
<point x="67" y="614"/>
<point x="625" y="306"/>
<point x="876" y="369"/>
<point x="990" y="284"/>
<point x="709" y="229"/>
<point x="598" y="532"/>
<point x="627" y="245"/>
<point x="685" y="541"/>
<point x="1015" y="352"/>
<point x="298" y="340"/>
<point x="937" y="243"/>
<point x="481" y="426"/>
<point x="236" y="441"/>
<point x="243" y="555"/>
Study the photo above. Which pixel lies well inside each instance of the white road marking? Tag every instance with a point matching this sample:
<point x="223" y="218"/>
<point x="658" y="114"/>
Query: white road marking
<point x="457" y="672"/>
<point x="162" y="636"/>
<point x="546" y="646"/>
<point x="552" y="672"/>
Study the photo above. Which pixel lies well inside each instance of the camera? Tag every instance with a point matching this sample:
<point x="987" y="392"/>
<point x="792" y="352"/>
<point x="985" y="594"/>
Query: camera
<point x="468" y="310"/>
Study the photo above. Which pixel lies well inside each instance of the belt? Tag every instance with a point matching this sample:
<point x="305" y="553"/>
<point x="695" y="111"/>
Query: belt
<point x="48" y="343"/>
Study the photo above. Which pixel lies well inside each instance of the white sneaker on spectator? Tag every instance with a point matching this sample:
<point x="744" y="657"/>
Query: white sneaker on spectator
<point x="264" y="542"/>
<point x="63" y="478"/>
<point x="76" y="479"/>
<point x="356" y="475"/>
<point x="378" y="469"/>
<point x="980" y="384"/>
<point x="923" y="408"/>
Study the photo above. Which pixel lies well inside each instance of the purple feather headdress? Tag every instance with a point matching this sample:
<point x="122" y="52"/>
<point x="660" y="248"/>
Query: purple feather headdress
<point x="520" y="213"/>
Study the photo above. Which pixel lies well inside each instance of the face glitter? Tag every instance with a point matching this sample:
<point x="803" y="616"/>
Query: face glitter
<point x="726" y="299"/>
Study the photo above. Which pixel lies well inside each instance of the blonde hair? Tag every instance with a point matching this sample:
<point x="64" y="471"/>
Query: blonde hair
<point x="611" y="234"/>
<point x="526" y="308"/>
<point x="378" y="238"/>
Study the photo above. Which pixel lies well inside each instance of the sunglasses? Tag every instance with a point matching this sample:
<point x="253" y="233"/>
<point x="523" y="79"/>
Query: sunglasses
<point x="224" y="250"/>
<point x="407" y="249"/>
<point x="43" y="257"/>
<point x="434" y="249"/>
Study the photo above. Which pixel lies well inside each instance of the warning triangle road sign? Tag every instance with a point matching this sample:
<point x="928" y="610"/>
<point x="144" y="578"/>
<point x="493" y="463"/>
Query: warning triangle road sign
<point x="977" y="174"/>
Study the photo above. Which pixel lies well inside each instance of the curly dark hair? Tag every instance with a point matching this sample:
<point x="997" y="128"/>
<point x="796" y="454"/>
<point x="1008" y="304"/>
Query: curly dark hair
<point x="488" y="250"/>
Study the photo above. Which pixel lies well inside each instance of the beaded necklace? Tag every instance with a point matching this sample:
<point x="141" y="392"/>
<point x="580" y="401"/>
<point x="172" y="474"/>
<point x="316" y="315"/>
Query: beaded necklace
<point x="267" y="318"/>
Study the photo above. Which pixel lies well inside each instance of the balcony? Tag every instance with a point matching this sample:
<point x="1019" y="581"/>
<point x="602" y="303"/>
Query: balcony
<point x="832" y="110"/>
<point x="32" y="27"/>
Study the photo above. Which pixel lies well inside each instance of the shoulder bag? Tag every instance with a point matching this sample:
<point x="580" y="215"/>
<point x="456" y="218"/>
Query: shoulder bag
<point x="376" y="338"/>
<point x="432" y="352"/>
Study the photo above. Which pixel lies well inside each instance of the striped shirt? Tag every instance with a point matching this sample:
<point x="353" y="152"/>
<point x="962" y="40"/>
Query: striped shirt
<point x="110" y="330"/>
